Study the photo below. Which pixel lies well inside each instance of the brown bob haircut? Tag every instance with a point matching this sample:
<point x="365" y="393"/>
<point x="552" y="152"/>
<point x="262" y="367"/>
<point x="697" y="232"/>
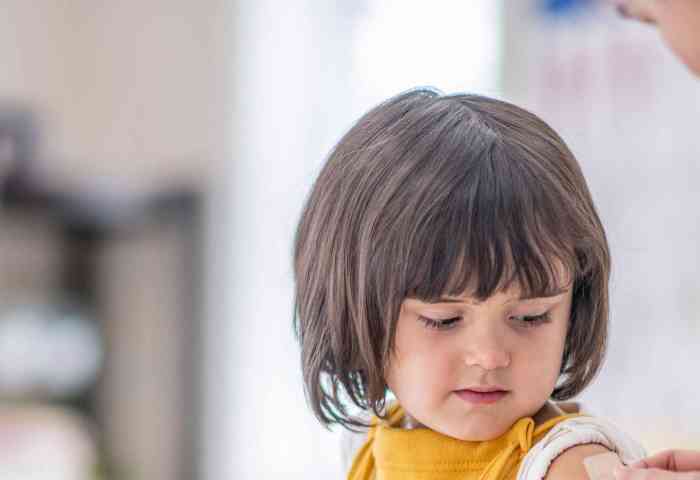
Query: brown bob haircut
<point x="426" y="195"/>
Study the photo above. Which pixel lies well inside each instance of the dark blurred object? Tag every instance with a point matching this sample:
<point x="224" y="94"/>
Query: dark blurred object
<point x="98" y="309"/>
<point x="18" y="143"/>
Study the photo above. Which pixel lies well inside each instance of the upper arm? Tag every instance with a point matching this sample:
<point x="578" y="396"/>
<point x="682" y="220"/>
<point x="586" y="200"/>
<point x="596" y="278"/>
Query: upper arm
<point x="569" y="465"/>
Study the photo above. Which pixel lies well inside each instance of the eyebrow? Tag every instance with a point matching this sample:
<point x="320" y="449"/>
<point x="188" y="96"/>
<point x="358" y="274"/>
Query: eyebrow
<point x="551" y="294"/>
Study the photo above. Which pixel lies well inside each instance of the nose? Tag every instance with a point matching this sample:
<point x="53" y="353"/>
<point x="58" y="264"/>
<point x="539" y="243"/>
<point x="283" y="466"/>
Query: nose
<point x="487" y="351"/>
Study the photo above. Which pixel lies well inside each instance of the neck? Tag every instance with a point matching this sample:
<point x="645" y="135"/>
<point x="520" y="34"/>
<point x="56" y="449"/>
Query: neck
<point x="410" y="423"/>
<point x="548" y="411"/>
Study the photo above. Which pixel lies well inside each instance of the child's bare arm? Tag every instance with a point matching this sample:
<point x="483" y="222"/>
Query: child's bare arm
<point x="570" y="464"/>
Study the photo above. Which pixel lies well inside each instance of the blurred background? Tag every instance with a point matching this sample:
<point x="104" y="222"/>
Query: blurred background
<point x="154" y="159"/>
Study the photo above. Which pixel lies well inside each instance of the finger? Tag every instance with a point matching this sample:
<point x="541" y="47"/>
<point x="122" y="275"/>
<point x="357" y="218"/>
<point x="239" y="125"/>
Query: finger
<point x="627" y="473"/>
<point x="674" y="460"/>
<point x="639" y="464"/>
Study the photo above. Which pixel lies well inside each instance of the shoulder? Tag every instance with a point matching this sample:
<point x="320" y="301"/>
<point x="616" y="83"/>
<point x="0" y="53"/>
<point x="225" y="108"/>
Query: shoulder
<point x="569" y="464"/>
<point x="574" y="439"/>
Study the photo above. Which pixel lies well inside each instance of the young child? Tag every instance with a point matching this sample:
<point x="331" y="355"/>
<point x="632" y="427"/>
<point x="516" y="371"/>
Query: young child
<point x="450" y="256"/>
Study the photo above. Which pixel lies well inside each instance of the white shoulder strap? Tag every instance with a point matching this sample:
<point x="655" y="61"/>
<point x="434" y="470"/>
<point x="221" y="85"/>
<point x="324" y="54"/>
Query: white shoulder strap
<point x="577" y="431"/>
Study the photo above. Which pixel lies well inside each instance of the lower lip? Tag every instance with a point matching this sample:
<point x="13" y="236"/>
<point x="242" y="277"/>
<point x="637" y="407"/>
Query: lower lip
<point x="480" y="397"/>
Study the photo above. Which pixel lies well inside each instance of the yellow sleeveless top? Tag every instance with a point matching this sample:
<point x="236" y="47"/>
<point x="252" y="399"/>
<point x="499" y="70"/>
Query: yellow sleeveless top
<point x="422" y="454"/>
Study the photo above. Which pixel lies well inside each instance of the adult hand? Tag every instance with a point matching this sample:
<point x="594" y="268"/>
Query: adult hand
<point x="667" y="465"/>
<point x="677" y="20"/>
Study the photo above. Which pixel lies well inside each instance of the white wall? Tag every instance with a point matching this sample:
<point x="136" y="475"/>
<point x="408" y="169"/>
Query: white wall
<point x="290" y="75"/>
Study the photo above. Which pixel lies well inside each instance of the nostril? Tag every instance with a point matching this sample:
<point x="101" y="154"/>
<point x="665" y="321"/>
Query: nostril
<point x="489" y="360"/>
<point x="623" y="11"/>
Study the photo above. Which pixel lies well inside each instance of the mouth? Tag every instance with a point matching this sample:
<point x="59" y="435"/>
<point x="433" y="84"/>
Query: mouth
<point x="481" y="394"/>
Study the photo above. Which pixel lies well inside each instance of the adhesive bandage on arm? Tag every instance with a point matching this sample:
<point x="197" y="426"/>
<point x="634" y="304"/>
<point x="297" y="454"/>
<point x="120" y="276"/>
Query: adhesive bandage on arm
<point x="602" y="466"/>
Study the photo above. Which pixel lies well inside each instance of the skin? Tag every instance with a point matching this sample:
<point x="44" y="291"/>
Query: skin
<point x="679" y="24"/>
<point x="488" y="344"/>
<point x="677" y="20"/>
<point x="666" y="465"/>
<point x="569" y="465"/>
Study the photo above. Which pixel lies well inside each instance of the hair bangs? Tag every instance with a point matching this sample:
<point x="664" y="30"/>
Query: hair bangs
<point x="495" y="232"/>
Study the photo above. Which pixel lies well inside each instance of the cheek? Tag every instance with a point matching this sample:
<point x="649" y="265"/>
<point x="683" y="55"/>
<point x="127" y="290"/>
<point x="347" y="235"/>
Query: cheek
<point x="420" y="363"/>
<point x="540" y="360"/>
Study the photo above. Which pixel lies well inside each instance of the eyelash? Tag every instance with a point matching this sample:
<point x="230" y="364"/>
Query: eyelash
<point x="526" y="322"/>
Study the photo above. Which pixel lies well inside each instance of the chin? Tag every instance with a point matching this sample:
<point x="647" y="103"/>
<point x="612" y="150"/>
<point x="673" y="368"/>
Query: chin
<point x="476" y="433"/>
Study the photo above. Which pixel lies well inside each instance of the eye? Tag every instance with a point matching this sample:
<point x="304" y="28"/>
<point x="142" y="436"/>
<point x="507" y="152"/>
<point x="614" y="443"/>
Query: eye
<point x="436" y="324"/>
<point x="532" y="321"/>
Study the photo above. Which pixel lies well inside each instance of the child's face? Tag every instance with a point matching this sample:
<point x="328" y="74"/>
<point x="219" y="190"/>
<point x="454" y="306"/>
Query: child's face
<point x="485" y="346"/>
